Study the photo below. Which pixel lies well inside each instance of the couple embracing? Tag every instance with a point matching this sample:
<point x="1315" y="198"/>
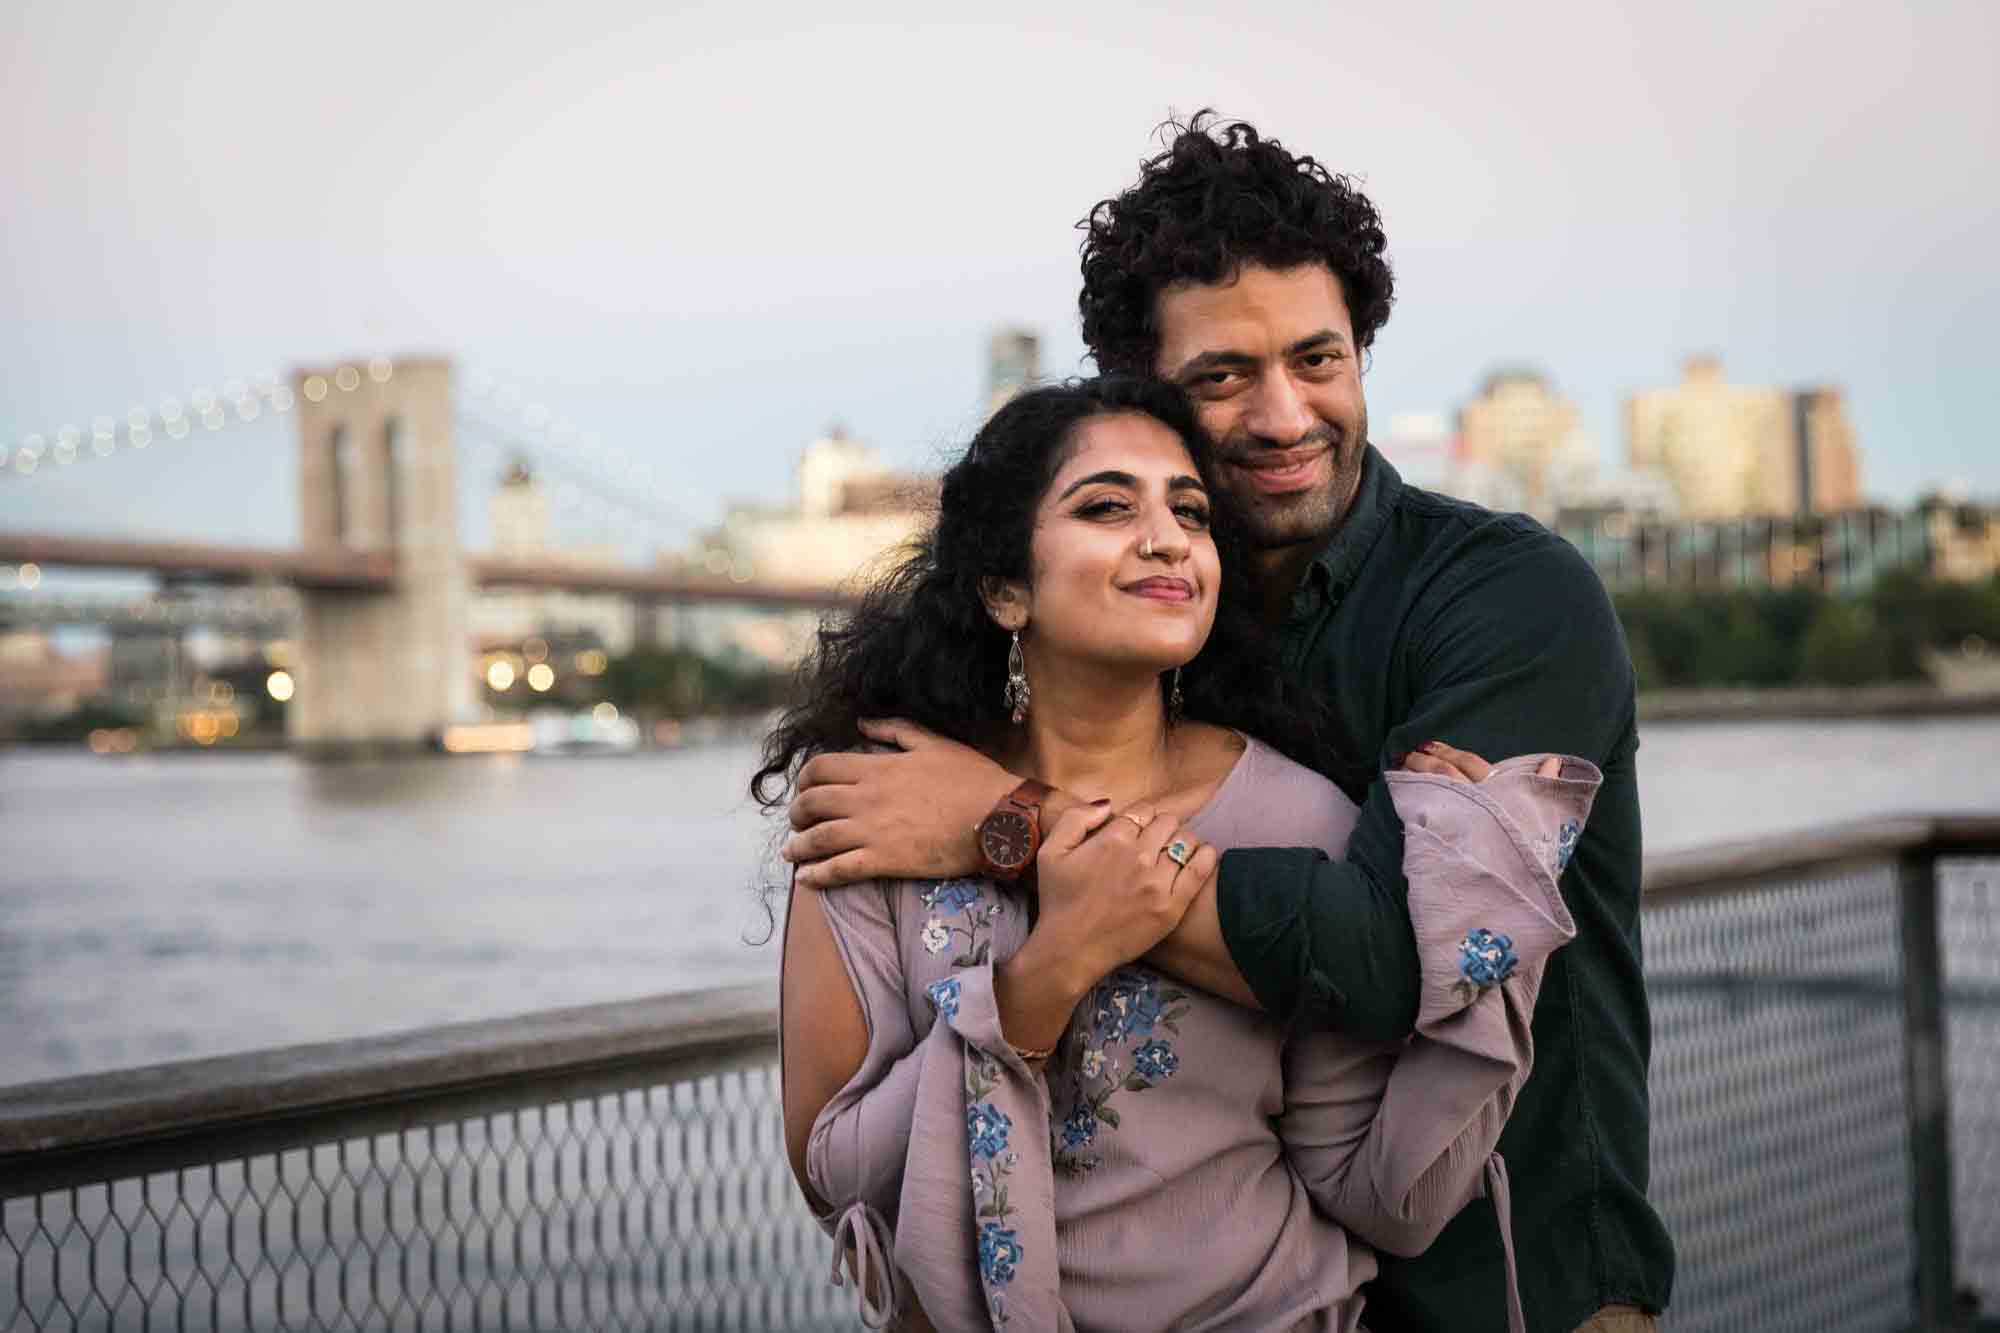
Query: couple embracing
<point x="1164" y="950"/>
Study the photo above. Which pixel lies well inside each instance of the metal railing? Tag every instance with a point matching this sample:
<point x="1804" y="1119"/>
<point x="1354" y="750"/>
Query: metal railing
<point x="616" y="1166"/>
<point x="1826" y="1028"/>
<point x="1826" y="1139"/>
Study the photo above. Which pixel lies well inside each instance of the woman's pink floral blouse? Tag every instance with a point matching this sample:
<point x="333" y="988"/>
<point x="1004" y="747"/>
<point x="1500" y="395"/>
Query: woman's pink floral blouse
<point x="1184" y="1162"/>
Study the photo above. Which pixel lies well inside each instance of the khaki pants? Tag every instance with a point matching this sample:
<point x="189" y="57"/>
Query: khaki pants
<point x="1620" y="1319"/>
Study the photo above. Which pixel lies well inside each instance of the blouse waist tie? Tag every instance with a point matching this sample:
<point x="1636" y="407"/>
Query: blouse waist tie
<point x="1496" y="1189"/>
<point x="864" y="1229"/>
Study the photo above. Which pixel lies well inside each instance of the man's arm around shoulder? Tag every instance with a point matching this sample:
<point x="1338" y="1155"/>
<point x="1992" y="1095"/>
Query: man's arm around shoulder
<point x="1514" y="650"/>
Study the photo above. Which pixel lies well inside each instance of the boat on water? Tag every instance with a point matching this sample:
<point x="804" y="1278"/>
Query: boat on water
<point x="550" y="731"/>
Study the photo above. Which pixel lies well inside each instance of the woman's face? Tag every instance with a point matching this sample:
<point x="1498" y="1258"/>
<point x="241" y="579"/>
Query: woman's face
<point x="1124" y="571"/>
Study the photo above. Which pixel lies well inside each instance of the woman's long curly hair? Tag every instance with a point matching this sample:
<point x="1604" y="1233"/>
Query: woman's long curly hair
<point x="1220" y="196"/>
<point x="920" y="645"/>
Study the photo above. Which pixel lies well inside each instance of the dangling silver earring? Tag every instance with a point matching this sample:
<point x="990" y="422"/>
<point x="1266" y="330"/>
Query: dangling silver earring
<point x="1017" y="681"/>
<point x="1174" y="700"/>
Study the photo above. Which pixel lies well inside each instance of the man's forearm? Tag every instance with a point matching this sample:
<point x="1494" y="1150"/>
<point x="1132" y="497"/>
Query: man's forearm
<point x="1197" y="954"/>
<point x="1323" y="944"/>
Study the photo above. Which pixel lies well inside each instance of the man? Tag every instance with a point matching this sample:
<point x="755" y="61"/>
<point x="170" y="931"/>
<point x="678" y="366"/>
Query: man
<point x="1256" y="281"/>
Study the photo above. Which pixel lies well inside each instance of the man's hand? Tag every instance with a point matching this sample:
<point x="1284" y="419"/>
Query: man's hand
<point x="906" y="814"/>
<point x="1463" y="765"/>
<point x="1195" y="951"/>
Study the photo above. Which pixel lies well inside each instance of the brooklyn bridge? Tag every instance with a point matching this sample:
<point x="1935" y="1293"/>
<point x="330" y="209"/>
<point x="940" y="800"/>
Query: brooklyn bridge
<point x="384" y="648"/>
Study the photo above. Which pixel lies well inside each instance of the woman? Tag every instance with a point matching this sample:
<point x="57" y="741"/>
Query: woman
<point x="1005" y="1117"/>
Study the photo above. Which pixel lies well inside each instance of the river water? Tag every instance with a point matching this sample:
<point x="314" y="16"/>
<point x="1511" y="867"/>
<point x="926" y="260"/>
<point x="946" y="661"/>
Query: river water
<point x="166" y="907"/>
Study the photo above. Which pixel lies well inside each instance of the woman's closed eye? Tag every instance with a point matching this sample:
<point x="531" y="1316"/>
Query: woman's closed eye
<point x="1190" y="513"/>
<point x="1107" y="506"/>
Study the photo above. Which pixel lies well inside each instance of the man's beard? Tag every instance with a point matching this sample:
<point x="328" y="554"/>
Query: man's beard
<point x="1278" y="522"/>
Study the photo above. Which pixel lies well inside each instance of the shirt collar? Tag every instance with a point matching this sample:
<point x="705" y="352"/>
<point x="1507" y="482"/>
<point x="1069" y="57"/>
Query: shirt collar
<point x="1334" y="568"/>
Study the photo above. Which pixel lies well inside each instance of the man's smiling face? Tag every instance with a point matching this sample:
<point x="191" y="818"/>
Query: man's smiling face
<point x="1269" y="361"/>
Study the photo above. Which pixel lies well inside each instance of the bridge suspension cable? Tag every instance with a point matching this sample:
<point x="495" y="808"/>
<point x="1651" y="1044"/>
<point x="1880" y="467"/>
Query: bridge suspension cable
<point x="238" y="403"/>
<point x="241" y="401"/>
<point x="585" y="458"/>
<point x="591" y="479"/>
<point x="576" y="488"/>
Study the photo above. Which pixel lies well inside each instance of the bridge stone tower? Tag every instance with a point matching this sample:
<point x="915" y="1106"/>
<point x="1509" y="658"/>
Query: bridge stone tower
<point x="384" y="668"/>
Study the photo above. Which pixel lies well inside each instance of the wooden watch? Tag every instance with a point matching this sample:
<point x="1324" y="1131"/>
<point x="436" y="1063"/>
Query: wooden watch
<point x="1012" y="834"/>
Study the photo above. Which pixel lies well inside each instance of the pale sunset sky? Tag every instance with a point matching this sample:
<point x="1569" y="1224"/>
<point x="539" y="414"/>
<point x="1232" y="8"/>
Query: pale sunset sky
<point x="701" y="232"/>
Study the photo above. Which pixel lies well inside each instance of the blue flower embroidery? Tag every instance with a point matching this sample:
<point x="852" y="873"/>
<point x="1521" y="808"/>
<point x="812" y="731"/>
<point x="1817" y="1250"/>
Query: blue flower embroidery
<point x="1485" y="958"/>
<point x="1079" y="1127"/>
<point x="1155" y="1061"/>
<point x="1130" y="1008"/>
<point x="944" y="994"/>
<point x="953" y="895"/>
<point x="1116" y="1054"/>
<point x="986" y="1127"/>
<point x="1566" y="843"/>
<point x="999" y="1251"/>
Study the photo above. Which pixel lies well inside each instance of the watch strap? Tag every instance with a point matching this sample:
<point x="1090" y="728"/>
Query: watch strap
<point x="1029" y="797"/>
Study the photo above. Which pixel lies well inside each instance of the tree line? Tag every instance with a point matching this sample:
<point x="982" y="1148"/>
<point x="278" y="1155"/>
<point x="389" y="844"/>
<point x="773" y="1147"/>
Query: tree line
<point x="1769" y="637"/>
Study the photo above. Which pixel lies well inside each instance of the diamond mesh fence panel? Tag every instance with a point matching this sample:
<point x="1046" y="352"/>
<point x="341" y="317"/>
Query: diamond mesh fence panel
<point x="1969" y="927"/>
<point x="1780" y="1151"/>
<point x="1780" y="1161"/>
<point x="659" y="1207"/>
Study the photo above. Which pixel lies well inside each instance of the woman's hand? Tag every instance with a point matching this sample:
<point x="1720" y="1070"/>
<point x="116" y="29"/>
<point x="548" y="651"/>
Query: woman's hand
<point x="1108" y="892"/>
<point x="1462" y="765"/>
<point x="1107" y="888"/>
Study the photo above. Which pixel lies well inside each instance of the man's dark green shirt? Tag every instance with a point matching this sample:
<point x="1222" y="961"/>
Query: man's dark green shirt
<point x="1427" y="618"/>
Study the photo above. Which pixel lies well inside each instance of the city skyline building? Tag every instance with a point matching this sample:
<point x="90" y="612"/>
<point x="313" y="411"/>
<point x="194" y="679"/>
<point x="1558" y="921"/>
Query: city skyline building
<point x="517" y="515"/>
<point x="1841" y="551"/>
<point x="1521" y="444"/>
<point x="1829" y="459"/>
<point x="1737" y="451"/>
<point x="1013" y="362"/>
<point x="851" y="513"/>
<point x="849" y="510"/>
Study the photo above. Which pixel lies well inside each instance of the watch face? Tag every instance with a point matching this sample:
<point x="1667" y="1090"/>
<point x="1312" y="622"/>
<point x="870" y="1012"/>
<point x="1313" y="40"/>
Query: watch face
<point x="1006" y="839"/>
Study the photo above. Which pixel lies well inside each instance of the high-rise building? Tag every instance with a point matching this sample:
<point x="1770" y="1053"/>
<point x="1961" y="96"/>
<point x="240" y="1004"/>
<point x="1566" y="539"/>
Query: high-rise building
<point x="1518" y="440"/>
<point x="1734" y="451"/>
<point x="829" y="466"/>
<point x="1829" y="464"/>
<point x="852" y="513"/>
<point x="518" y="514"/>
<point x="1013" y="361"/>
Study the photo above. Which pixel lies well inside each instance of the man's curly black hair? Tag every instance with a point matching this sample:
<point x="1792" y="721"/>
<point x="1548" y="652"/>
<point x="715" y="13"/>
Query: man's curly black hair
<point x="1219" y="196"/>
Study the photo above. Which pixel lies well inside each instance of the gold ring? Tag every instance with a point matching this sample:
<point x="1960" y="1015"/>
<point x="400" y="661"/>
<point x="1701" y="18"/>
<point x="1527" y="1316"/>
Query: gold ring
<point x="1137" y="822"/>
<point x="1179" y="852"/>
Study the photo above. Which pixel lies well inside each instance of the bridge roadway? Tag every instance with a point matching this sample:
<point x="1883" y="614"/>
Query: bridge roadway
<point x="375" y="571"/>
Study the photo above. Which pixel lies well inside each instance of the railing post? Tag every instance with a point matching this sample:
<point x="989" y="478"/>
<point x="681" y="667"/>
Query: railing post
<point x="1927" y="1092"/>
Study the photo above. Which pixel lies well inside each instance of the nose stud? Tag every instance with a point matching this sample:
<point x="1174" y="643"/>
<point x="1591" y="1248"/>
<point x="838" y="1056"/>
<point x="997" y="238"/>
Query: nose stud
<point x="1146" y="549"/>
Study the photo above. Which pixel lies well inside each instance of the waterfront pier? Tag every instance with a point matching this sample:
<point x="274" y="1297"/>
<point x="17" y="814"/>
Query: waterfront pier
<point x="1826" y="1136"/>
